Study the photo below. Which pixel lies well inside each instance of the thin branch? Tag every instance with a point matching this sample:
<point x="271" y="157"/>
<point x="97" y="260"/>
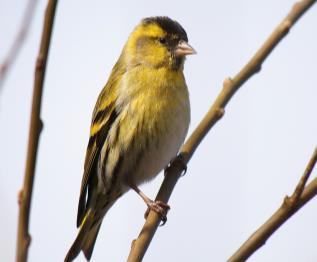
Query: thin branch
<point x="25" y="194"/>
<point x="230" y="86"/>
<point x="18" y="41"/>
<point x="289" y="207"/>
<point x="302" y="182"/>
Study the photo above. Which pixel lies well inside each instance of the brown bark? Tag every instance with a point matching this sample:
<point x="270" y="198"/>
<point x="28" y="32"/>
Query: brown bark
<point x="25" y="194"/>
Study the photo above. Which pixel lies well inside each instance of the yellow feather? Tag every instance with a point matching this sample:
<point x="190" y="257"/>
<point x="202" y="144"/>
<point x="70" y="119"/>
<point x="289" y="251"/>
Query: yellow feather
<point x="139" y="122"/>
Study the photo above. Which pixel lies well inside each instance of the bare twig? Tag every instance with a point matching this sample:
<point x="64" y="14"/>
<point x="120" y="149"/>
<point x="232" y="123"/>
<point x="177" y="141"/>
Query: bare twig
<point x="24" y="238"/>
<point x="230" y="86"/>
<point x="18" y="41"/>
<point x="302" y="182"/>
<point x="290" y="205"/>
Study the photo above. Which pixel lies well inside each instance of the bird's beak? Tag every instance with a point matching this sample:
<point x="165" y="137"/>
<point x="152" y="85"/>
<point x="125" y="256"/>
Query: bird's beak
<point x="183" y="49"/>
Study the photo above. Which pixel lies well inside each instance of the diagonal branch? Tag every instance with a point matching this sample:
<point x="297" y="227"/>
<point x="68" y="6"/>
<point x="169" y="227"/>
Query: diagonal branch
<point x="230" y="86"/>
<point x="301" y="195"/>
<point x="25" y="194"/>
<point x="18" y="41"/>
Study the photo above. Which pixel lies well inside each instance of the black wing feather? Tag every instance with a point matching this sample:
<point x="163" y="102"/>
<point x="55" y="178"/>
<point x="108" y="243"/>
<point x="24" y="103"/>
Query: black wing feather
<point x="104" y="116"/>
<point x="90" y="170"/>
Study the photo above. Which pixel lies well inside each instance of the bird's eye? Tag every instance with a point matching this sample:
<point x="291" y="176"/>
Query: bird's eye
<point x="162" y="40"/>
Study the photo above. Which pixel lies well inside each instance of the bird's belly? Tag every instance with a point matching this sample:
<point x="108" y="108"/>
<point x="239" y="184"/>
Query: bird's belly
<point x="161" y="141"/>
<point x="159" y="154"/>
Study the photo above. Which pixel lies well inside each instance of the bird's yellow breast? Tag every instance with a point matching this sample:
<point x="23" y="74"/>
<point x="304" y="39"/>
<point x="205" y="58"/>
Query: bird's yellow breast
<point x="154" y="118"/>
<point x="156" y="97"/>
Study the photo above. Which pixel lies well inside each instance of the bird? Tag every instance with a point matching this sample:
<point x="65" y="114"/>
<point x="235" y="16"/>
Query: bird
<point x="139" y="122"/>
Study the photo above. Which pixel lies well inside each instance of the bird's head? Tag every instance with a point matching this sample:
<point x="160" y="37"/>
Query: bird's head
<point x="158" y="42"/>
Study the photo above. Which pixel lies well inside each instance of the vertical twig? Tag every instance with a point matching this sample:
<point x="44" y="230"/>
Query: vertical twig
<point x="25" y="194"/>
<point x="230" y="86"/>
<point x="18" y="41"/>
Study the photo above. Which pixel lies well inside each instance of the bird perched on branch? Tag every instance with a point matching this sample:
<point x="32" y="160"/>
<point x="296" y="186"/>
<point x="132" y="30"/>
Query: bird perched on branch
<point x="139" y="122"/>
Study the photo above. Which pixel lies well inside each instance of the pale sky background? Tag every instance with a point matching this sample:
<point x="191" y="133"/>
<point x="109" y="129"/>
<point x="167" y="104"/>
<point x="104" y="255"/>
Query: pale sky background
<point x="238" y="176"/>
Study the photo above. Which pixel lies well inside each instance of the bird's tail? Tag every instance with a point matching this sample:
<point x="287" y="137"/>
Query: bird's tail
<point x="89" y="244"/>
<point x="86" y="237"/>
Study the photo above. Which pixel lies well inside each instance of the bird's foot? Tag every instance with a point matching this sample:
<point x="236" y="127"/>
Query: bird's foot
<point x="160" y="208"/>
<point x="157" y="206"/>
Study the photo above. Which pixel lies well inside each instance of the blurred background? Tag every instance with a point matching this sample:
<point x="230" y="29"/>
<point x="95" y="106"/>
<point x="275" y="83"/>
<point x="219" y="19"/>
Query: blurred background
<point x="237" y="178"/>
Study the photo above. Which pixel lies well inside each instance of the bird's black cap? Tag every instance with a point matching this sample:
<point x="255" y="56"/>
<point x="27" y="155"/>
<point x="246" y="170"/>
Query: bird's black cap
<point x="168" y="25"/>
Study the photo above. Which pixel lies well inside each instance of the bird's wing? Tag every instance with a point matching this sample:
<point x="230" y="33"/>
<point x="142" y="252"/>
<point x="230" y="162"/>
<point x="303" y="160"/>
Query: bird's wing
<point x="104" y="115"/>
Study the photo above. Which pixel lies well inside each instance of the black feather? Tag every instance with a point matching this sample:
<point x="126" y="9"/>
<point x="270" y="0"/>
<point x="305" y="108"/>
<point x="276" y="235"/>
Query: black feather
<point x="168" y="25"/>
<point x="94" y="147"/>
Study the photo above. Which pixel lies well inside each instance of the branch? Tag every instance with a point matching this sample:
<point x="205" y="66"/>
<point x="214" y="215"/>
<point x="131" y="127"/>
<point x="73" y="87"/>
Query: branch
<point x="25" y="194"/>
<point x="289" y="207"/>
<point x="230" y="86"/>
<point x="18" y="41"/>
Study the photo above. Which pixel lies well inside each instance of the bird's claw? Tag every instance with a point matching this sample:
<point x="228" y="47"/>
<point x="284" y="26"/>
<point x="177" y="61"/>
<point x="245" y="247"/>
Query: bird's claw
<point x="160" y="208"/>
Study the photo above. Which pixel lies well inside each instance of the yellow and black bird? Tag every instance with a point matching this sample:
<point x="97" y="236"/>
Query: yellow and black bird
<point x="139" y="122"/>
